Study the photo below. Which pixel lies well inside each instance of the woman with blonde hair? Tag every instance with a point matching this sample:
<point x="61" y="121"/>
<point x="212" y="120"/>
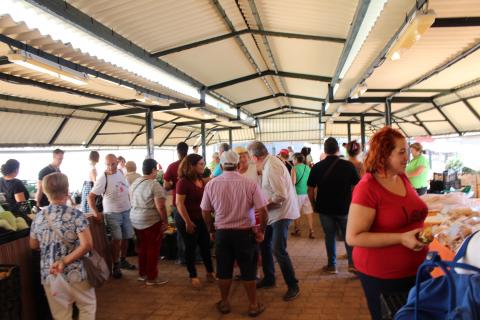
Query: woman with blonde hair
<point x="63" y="236"/>
<point x="189" y="221"/>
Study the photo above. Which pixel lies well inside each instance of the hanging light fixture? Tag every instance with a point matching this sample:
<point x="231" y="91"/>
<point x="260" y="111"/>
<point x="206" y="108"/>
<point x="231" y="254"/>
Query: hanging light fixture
<point x="421" y="22"/>
<point x="39" y="64"/>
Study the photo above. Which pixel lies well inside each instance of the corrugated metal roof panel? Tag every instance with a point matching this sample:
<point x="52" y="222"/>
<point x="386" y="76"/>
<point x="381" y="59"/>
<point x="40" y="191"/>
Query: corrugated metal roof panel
<point x="112" y="127"/>
<point x="305" y="103"/>
<point x="340" y="130"/>
<point x="245" y="90"/>
<point x="457" y="8"/>
<point x="77" y="132"/>
<point x="413" y="130"/>
<point x="414" y="109"/>
<point x="27" y="129"/>
<point x="218" y="62"/>
<point x="306" y="87"/>
<point x="430" y="115"/>
<point x="325" y="18"/>
<point x="459" y="73"/>
<point x="306" y="56"/>
<point x="439" y="127"/>
<point x="475" y="104"/>
<point x="156" y="25"/>
<point x="463" y="118"/>
<point x="262" y="106"/>
<point x="116" y="140"/>
<point x="436" y="47"/>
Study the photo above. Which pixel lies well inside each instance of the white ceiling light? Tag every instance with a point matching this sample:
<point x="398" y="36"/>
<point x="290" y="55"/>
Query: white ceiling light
<point x="36" y="63"/>
<point x="66" y="32"/>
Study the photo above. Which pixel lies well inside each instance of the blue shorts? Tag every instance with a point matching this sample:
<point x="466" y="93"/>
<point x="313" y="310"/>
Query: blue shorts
<point x="120" y="225"/>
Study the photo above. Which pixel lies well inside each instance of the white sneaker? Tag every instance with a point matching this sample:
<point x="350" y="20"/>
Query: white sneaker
<point x="142" y="279"/>
<point x="156" y="282"/>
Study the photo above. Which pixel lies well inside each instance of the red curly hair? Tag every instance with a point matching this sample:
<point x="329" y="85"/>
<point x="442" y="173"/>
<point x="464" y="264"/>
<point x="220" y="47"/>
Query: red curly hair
<point x="381" y="146"/>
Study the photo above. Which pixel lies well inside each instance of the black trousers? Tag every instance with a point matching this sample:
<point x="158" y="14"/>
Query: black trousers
<point x="201" y="238"/>
<point x="421" y="191"/>
<point x="374" y="287"/>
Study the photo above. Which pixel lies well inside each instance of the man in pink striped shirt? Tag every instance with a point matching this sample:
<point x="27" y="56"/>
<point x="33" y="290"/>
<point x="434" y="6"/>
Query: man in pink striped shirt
<point x="235" y="199"/>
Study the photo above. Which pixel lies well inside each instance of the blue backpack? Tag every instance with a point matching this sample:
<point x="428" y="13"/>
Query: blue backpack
<point x="450" y="297"/>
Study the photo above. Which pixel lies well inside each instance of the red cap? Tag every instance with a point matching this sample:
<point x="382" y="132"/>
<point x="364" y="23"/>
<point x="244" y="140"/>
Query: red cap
<point x="284" y="152"/>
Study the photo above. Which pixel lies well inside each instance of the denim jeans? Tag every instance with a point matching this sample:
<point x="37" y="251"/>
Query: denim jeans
<point x="329" y="224"/>
<point x="275" y="242"/>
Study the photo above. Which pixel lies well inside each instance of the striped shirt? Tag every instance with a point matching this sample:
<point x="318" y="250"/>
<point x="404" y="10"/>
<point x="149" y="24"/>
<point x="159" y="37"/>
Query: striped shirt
<point x="233" y="198"/>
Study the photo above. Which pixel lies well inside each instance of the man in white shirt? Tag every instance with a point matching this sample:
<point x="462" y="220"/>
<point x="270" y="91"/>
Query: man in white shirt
<point x="282" y="209"/>
<point x="116" y="208"/>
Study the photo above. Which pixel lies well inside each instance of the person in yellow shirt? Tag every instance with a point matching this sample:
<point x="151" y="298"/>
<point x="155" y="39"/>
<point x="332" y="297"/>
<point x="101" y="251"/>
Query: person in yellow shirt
<point x="417" y="169"/>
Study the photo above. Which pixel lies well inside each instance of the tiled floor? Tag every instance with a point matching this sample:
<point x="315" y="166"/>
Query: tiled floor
<point x="322" y="296"/>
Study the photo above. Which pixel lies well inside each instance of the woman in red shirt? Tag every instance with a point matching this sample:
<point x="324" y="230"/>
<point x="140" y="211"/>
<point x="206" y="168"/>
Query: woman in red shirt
<point x="189" y="221"/>
<point x="385" y="216"/>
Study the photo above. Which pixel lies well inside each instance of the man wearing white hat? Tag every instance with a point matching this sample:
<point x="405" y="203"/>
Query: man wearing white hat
<point x="234" y="199"/>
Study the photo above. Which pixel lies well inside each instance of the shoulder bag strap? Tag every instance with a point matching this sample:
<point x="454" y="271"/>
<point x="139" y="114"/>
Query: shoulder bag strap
<point x="463" y="249"/>
<point x="329" y="170"/>
<point x="106" y="183"/>
<point x="52" y="227"/>
<point x="136" y="187"/>
<point x="303" y="173"/>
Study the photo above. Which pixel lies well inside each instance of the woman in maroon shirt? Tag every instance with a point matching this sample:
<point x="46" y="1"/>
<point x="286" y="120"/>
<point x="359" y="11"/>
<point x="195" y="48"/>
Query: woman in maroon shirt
<point x="190" y="224"/>
<point x="385" y="216"/>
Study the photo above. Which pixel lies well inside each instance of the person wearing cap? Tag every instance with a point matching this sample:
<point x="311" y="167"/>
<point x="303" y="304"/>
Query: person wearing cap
<point x="234" y="199"/>
<point x="282" y="207"/>
<point x="284" y="156"/>
<point x="245" y="167"/>
<point x="334" y="179"/>
<point x="218" y="169"/>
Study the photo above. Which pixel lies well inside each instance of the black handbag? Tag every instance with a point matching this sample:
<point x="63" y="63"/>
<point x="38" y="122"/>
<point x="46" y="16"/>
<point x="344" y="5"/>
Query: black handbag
<point x="99" y="197"/>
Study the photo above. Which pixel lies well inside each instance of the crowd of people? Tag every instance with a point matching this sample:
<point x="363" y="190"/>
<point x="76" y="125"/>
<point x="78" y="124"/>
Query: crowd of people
<point x="245" y="207"/>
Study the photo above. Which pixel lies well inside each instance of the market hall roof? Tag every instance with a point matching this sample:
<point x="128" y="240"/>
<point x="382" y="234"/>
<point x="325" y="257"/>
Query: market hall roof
<point x="273" y="60"/>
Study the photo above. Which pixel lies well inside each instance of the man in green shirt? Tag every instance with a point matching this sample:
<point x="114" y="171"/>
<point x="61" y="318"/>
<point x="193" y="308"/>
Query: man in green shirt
<point x="417" y="169"/>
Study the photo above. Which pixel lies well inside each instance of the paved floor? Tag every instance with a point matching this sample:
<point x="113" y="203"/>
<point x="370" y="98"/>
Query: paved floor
<point x="322" y="296"/>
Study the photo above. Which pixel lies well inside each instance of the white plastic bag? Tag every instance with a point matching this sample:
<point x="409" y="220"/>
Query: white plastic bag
<point x="60" y="289"/>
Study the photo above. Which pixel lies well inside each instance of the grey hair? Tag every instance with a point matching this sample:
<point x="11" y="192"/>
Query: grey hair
<point x="224" y="146"/>
<point x="257" y="149"/>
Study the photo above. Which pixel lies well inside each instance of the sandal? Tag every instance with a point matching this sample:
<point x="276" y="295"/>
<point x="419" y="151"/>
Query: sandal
<point x="211" y="277"/>
<point x="257" y="311"/>
<point x="196" y="283"/>
<point x="311" y="235"/>
<point x="222" y="307"/>
<point x="296" y="232"/>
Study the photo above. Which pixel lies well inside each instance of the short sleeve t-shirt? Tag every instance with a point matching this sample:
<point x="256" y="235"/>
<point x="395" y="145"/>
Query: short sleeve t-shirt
<point x="45" y="172"/>
<point x="171" y="175"/>
<point x="302" y="172"/>
<point x="217" y="171"/>
<point x="143" y="193"/>
<point x="10" y="188"/>
<point x="193" y="197"/>
<point x="115" y="197"/>
<point x="420" y="181"/>
<point x="69" y="222"/>
<point x="334" y="192"/>
<point x="393" y="214"/>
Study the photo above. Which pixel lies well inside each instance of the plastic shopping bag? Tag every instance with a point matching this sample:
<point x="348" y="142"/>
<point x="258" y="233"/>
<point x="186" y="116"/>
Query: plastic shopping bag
<point x="60" y="289"/>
